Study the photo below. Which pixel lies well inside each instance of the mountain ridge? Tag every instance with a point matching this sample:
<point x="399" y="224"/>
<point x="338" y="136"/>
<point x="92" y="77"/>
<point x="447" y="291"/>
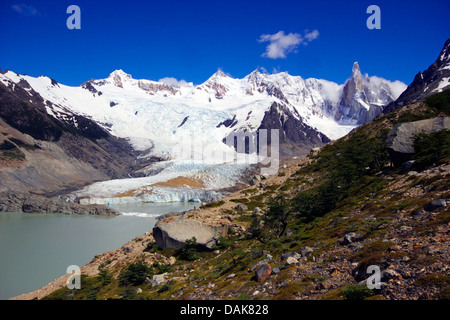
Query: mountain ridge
<point x="433" y="80"/>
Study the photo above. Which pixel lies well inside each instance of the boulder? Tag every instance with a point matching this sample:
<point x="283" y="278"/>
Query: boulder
<point x="231" y="276"/>
<point x="258" y="264"/>
<point x="389" y="274"/>
<point x="306" y="251"/>
<point x="172" y="260"/>
<point x="263" y="272"/>
<point x="241" y="207"/>
<point x="418" y="215"/>
<point x="291" y="260"/>
<point x="260" y="253"/>
<point x="400" y="140"/>
<point x="435" y="204"/>
<point x="255" y="180"/>
<point x="406" y="166"/>
<point x="173" y="233"/>
<point x="158" y="279"/>
<point x="257" y="210"/>
<point x="350" y="238"/>
<point x="294" y="255"/>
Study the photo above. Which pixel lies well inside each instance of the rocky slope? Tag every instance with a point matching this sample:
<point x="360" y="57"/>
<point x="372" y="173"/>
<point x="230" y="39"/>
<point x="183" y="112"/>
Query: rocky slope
<point x="312" y="231"/>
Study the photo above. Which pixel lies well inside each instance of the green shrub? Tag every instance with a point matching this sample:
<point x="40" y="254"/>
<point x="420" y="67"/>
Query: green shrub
<point x="105" y="276"/>
<point x="244" y="296"/>
<point x="277" y="213"/>
<point x="162" y="268"/>
<point x="440" y="102"/>
<point x="430" y="148"/>
<point x="357" y="292"/>
<point x="134" y="274"/>
<point x="163" y="288"/>
<point x="222" y="243"/>
<point x="188" y="252"/>
<point x="90" y="287"/>
<point x="212" y="204"/>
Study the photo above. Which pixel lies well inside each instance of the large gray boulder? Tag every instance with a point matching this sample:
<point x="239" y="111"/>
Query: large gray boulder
<point x="435" y="204"/>
<point x="175" y="232"/>
<point x="400" y="140"/>
<point x="158" y="279"/>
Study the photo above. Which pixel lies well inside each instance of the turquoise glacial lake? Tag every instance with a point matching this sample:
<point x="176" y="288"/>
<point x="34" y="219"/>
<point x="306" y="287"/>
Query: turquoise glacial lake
<point x="35" y="249"/>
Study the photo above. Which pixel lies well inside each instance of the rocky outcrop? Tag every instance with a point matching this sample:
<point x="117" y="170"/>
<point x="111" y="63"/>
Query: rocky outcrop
<point x="400" y="140"/>
<point x="175" y="230"/>
<point x="296" y="137"/>
<point x="359" y="98"/>
<point x="30" y="203"/>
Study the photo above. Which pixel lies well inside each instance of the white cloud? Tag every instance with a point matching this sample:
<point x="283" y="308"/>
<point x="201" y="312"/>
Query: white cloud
<point x="310" y="36"/>
<point x="397" y="87"/>
<point x="174" y="82"/>
<point x="280" y="44"/>
<point x="25" y="9"/>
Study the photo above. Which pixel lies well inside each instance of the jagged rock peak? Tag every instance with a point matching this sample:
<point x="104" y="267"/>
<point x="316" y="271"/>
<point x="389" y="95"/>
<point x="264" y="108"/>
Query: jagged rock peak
<point x="255" y="76"/>
<point x="445" y="53"/>
<point x="120" y="73"/>
<point x="118" y="77"/>
<point x="220" y="73"/>
<point x="431" y="81"/>
<point x="356" y="71"/>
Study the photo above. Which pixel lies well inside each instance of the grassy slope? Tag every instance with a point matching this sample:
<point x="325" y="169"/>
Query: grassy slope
<point x="347" y="187"/>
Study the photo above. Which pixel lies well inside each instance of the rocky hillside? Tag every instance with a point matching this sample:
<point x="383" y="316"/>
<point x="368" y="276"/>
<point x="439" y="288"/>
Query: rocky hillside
<point x="310" y="232"/>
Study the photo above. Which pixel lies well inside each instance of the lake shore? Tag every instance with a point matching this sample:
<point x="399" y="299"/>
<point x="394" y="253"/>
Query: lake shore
<point x="33" y="203"/>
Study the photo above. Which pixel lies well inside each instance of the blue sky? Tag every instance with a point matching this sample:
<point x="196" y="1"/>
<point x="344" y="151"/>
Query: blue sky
<point x="190" y="40"/>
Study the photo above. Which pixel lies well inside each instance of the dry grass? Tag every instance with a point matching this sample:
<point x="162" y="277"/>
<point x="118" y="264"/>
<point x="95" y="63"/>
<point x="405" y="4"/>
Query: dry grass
<point x="180" y="182"/>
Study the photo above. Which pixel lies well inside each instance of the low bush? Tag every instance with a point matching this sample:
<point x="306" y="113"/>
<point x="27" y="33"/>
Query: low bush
<point x="134" y="274"/>
<point x="357" y="292"/>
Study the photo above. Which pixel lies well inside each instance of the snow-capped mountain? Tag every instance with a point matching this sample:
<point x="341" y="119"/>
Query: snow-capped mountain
<point x="364" y="97"/>
<point x="160" y="118"/>
<point x="433" y="80"/>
